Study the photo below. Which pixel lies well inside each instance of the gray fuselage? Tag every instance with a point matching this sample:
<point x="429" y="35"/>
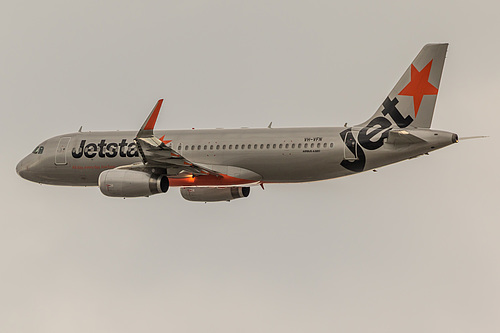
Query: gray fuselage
<point x="284" y="155"/>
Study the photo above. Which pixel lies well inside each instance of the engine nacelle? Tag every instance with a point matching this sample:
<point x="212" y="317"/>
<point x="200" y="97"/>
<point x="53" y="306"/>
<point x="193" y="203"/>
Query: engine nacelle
<point x="130" y="183"/>
<point x="212" y="194"/>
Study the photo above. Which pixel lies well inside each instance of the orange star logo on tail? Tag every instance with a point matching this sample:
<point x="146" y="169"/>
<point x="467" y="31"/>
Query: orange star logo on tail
<point x="419" y="85"/>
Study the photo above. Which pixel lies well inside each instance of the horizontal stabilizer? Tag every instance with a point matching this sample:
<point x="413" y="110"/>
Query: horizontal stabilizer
<point x="403" y="137"/>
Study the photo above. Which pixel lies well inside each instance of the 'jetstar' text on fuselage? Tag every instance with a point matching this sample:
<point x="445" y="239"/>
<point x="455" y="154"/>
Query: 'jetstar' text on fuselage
<point x="104" y="149"/>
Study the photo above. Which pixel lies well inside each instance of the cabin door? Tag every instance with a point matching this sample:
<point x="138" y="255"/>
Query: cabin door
<point x="61" y="150"/>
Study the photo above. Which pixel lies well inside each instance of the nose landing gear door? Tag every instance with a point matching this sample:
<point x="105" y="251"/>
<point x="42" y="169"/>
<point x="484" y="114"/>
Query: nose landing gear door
<point x="62" y="147"/>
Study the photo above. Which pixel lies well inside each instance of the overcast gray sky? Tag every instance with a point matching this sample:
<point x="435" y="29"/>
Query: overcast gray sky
<point x="412" y="248"/>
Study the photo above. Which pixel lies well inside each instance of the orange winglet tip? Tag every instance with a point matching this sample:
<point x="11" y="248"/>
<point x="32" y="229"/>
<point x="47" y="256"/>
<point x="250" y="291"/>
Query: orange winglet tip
<point x="154" y="115"/>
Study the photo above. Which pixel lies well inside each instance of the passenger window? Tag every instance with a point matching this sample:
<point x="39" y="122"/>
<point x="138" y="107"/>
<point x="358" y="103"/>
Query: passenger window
<point x="261" y="146"/>
<point x="268" y="146"/>
<point x="179" y="148"/>
<point x="249" y="146"/>
<point x="286" y="146"/>
<point x="318" y="145"/>
<point x="205" y="147"/>
<point x="230" y="146"/>
<point x="254" y="146"/>
<point x="223" y="146"/>
<point x="281" y="145"/>
<point x="299" y="145"/>
<point x="331" y="145"/>
<point x="199" y="147"/>
<point x="324" y="145"/>
<point x="186" y="148"/>
<point x="306" y="145"/>
<point x="242" y="146"/>
<point x="218" y="147"/>
<point x="192" y="147"/>
<point x="211" y="147"/>
<point x="236" y="147"/>
<point x="293" y="145"/>
<point x="274" y="146"/>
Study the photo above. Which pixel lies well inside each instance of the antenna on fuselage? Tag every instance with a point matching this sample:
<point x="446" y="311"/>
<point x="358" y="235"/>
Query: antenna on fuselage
<point x="270" y="124"/>
<point x="80" y="129"/>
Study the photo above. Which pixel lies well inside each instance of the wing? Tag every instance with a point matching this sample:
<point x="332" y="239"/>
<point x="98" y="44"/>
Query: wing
<point x="158" y="157"/>
<point x="155" y="153"/>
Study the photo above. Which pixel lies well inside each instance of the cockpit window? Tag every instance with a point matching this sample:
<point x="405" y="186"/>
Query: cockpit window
<point x="38" y="150"/>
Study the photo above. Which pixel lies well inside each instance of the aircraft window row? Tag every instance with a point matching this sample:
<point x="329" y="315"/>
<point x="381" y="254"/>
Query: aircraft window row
<point x="38" y="150"/>
<point x="256" y="146"/>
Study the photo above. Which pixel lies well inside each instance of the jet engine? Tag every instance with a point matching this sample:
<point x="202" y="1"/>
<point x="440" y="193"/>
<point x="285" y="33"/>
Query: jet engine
<point x="212" y="194"/>
<point x="130" y="183"/>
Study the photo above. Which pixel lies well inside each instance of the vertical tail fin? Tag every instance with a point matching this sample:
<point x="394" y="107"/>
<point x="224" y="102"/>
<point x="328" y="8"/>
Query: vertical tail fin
<point x="412" y="100"/>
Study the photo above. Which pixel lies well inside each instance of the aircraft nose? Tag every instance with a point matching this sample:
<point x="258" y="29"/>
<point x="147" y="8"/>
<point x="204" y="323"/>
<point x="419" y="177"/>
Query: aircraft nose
<point x="21" y="169"/>
<point x="25" y="169"/>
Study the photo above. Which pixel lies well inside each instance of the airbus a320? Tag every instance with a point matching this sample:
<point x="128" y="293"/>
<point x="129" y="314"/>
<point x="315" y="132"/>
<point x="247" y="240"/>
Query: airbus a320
<point x="222" y="164"/>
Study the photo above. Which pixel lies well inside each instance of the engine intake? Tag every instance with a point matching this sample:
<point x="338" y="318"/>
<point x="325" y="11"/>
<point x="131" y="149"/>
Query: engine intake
<point x="131" y="183"/>
<point x="213" y="194"/>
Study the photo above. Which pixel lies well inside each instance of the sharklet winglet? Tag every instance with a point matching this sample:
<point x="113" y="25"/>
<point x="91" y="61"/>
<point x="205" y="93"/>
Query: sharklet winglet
<point x="149" y="124"/>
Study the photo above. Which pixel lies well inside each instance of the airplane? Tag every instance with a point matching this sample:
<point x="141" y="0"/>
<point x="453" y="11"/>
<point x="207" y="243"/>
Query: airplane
<point x="212" y="165"/>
